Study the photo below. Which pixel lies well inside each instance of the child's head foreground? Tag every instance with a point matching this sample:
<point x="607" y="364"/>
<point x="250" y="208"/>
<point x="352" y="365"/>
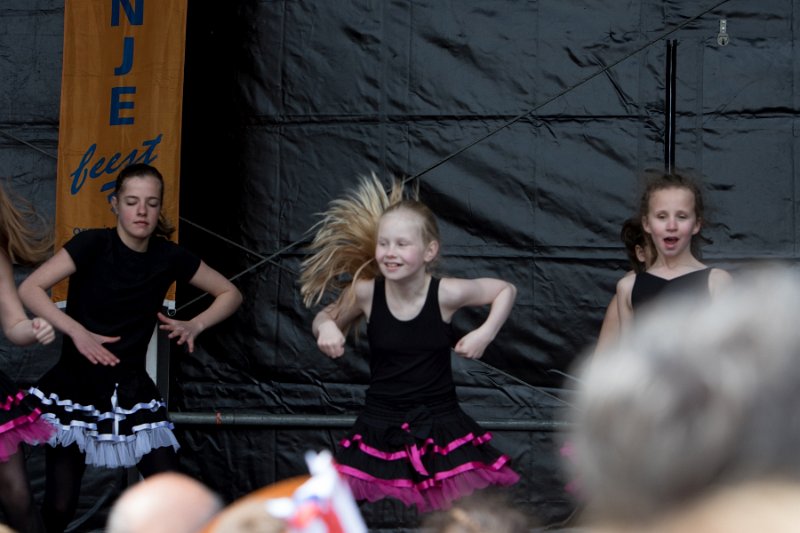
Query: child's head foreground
<point x="484" y="513"/>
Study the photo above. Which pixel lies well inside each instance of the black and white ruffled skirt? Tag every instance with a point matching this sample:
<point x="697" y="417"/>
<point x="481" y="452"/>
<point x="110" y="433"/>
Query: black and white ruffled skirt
<point x="113" y="424"/>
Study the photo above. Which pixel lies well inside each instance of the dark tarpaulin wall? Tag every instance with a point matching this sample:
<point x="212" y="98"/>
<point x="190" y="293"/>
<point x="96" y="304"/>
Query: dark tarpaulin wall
<point x="287" y="102"/>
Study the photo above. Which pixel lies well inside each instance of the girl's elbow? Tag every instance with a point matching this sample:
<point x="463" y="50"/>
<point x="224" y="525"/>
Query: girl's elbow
<point x="236" y="297"/>
<point x="25" y="290"/>
<point x="512" y="290"/>
<point x="230" y="293"/>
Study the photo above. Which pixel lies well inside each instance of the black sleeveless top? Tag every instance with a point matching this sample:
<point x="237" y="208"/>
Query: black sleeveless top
<point x="646" y="286"/>
<point x="409" y="359"/>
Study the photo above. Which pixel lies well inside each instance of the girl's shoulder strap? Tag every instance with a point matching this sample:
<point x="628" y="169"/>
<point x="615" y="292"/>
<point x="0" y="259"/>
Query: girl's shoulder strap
<point x="378" y="284"/>
<point x="433" y="292"/>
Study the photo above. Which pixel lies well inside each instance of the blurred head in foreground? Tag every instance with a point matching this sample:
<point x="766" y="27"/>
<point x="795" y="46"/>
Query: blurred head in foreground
<point x="478" y="513"/>
<point x="698" y="398"/>
<point x="163" y="503"/>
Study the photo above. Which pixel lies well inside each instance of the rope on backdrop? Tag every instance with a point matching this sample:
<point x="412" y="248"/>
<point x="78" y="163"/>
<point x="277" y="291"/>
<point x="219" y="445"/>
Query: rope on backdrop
<point x="271" y="258"/>
<point x="540" y="390"/>
<point x="26" y="143"/>
<point x="263" y="259"/>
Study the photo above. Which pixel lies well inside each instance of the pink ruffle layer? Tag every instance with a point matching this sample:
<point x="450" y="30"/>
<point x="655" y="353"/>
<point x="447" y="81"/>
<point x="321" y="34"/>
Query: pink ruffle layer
<point x="29" y="428"/>
<point x="429" y="496"/>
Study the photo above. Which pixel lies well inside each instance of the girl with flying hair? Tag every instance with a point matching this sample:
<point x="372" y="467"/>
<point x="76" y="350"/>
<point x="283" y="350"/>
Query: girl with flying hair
<point x="23" y="240"/>
<point x="374" y="253"/>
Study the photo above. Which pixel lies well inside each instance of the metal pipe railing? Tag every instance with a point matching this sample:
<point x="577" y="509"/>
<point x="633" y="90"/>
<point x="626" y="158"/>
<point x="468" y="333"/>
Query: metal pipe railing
<point x="269" y="420"/>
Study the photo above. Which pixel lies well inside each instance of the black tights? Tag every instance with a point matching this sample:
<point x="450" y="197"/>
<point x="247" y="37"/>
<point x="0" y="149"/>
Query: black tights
<point x="64" y="470"/>
<point x="15" y="496"/>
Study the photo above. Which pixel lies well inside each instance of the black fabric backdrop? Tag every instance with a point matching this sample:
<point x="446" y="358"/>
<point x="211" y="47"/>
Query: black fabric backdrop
<point x="527" y="124"/>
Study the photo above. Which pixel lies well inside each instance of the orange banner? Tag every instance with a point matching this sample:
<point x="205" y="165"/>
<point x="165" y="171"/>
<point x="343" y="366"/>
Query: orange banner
<point x="121" y="97"/>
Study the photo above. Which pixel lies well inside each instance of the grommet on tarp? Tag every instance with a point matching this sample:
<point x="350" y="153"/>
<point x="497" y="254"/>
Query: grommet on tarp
<point x="722" y="37"/>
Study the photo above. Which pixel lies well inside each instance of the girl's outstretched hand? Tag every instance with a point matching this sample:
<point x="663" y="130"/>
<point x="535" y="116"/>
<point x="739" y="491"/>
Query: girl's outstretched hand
<point x="184" y="331"/>
<point x="91" y="346"/>
<point x="330" y="340"/>
<point x="472" y="345"/>
<point x="43" y="330"/>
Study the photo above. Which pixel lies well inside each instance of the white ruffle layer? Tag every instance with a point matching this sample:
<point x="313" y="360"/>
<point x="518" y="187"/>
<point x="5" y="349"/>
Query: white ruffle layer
<point x="112" y="451"/>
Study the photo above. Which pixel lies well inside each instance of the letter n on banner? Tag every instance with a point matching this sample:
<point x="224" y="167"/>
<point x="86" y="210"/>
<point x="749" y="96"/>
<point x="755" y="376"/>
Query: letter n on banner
<point x="121" y="97"/>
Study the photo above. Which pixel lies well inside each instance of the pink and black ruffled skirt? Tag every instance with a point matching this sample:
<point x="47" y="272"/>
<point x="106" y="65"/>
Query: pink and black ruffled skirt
<point x="20" y="420"/>
<point x="428" y="456"/>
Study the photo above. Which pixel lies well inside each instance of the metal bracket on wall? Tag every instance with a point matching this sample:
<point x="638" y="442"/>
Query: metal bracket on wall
<point x="722" y="37"/>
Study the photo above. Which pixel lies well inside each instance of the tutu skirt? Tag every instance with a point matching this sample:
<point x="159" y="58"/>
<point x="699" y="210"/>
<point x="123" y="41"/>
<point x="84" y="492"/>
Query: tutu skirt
<point x="20" y="420"/>
<point x="114" y="425"/>
<point x="428" y="456"/>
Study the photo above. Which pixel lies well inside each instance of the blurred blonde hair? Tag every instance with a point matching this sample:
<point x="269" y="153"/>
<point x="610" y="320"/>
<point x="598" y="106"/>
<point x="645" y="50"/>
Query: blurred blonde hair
<point x="343" y="248"/>
<point x="23" y="232"/>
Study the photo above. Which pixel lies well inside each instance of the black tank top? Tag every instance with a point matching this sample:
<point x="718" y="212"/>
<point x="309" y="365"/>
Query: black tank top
<point x="409" y="359"/>
<point x="646" y="286"/>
